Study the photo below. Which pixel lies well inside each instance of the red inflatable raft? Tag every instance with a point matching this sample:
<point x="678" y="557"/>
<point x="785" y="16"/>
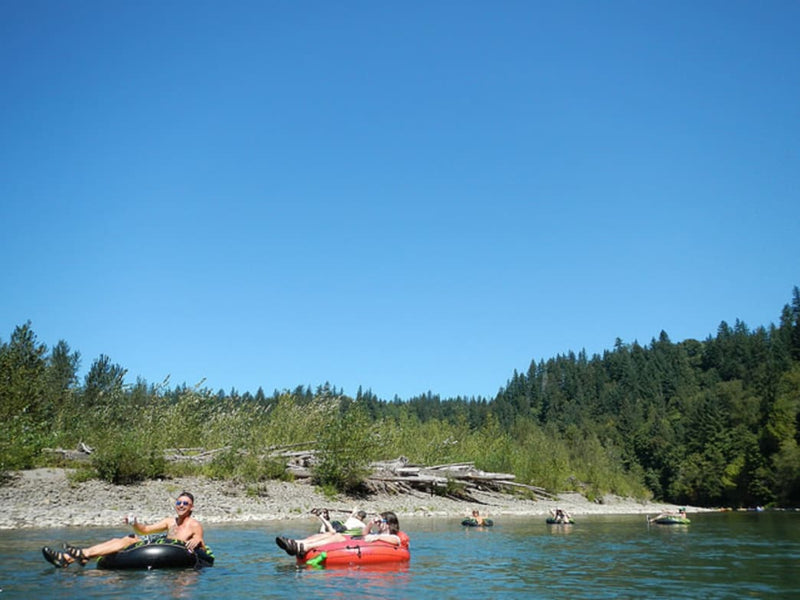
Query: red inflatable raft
<point x="356" y="551"/>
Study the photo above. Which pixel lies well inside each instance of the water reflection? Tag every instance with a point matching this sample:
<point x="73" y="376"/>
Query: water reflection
<point x="92" y="582"/>
<point x="181" y="584"/>
<point x="560" y="529"/>
<point x="371" y="581"/>
<point x="478" y="530"/>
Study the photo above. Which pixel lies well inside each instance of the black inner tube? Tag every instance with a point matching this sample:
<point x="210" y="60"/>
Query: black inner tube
<point x="163" y="554"/>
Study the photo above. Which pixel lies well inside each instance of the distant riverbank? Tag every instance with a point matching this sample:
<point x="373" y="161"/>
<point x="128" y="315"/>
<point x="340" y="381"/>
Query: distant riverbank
<point x="47" y="498"/>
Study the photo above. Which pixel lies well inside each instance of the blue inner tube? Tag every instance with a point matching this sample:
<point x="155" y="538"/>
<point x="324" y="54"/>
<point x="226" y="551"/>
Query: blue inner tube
<point x="162" y="554"/>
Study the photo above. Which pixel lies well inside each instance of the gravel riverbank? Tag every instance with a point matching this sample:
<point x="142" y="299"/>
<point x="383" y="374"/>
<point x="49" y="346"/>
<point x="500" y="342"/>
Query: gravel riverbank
<point x="47" y="498"/>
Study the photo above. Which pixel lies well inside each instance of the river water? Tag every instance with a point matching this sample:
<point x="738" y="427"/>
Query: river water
<point x="720" y="555"/>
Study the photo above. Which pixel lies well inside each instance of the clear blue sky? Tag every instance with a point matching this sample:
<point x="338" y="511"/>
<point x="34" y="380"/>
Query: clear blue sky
<point x="403" y="196"/>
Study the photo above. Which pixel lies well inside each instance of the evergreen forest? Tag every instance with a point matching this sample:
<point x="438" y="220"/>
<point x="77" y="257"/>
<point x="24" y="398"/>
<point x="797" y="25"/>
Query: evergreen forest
<point x="710" y="423"/>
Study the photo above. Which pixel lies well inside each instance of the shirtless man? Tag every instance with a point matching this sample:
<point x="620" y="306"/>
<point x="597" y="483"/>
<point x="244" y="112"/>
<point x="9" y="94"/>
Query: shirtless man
<point x="183" y="527"/>
<point x="476" y="516"/>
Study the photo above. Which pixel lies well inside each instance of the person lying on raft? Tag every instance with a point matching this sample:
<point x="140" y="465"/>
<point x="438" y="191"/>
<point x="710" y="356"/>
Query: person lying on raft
<point x="352" y="526"/>
<point x="326" y="525"/>
<point x="356" y="522"/>
<point x="328" y="532"/>
<point x="183" y="527"/>
<point x="387" y="525"/>
<point x="670" y="514"/>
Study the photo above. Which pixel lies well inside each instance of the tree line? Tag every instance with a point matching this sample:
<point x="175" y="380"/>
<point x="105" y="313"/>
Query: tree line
<point x="712" y="422"/>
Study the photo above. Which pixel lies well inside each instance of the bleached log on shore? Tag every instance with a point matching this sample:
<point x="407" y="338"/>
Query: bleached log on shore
<point x="392" y="465"/>
<point x="489" y="476"/>
<point x="422" y="479"/>
<point x="405" y="471"/>
<point x="199" y="455"/>
<point x="299" y="472"/>
<point x="461" y="465"/>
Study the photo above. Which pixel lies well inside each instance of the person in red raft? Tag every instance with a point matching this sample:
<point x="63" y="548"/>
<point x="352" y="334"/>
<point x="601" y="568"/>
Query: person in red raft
<point x="388" y="530"/>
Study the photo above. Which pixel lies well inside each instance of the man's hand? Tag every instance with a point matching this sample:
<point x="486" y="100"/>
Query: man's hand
<point x="192" y="544"/>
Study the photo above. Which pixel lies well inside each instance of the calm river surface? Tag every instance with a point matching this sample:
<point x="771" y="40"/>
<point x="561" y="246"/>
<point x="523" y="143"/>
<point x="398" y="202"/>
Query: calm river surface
<point x="720" y="555"/>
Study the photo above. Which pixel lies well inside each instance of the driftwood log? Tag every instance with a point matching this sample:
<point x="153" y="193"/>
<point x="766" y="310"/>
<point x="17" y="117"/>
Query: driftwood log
<point x="457" y="480"/>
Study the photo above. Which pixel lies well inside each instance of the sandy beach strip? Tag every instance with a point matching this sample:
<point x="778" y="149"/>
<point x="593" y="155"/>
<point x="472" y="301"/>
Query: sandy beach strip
<point x="42" y="498"/>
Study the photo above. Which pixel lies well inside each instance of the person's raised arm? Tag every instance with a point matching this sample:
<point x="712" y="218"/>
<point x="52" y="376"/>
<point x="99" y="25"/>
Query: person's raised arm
<point x="323" y="516"/>
<point x="144" y="528"/>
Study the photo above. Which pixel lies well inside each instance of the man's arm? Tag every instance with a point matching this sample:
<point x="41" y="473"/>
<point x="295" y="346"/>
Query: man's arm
<point x="196" y="539"/>
<point x="144" y="528"/>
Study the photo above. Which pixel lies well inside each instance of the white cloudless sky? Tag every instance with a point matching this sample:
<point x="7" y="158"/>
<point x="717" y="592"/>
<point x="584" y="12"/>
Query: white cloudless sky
<point x="402" y="196"/>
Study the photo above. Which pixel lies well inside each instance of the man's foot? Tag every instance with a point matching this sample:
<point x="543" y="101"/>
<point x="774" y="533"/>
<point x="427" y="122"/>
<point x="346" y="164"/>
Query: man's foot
<point x="55" y="558"/>
<point x="285" y="544"/>
<point x="301" y="551"/>
<point x="77" y="554"/>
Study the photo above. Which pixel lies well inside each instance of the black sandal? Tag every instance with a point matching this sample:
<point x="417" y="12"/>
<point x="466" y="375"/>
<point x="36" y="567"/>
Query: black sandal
<point x="77" y="554"/>
<point x="55" y="558"/>
<point x="283" y="544"/>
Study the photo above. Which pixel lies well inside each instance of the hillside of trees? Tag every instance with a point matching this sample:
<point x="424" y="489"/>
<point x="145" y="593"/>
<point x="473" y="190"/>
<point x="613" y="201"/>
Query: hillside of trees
<point x="712" y="422"/>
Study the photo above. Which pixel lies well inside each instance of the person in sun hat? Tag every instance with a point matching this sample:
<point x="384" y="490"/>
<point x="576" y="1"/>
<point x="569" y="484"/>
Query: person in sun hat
<point x="182" y="527"/>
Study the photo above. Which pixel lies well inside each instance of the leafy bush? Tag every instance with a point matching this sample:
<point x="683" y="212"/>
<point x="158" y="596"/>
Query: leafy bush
<point x="223" y="465"/>
<point x="128" y="458"/>
<point x="346" y="447"/>
<point x="21" y="440"/>
<point x="81" y="474"/>
<point x="245" y="467"/>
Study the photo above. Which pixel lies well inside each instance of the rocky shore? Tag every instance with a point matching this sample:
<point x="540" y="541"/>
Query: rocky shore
<point x="47" y="498"/>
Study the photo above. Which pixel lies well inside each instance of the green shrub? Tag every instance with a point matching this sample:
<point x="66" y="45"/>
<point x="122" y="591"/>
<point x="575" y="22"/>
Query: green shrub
<point x="224" y="464"/>
<point x="21" y="441"/>
<point x="81" y="474"/>
<point x="185" y="469"/>
<point x="346" y="447"/>
<point x="245" y="467"/>
<point x="128" y="458"/>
